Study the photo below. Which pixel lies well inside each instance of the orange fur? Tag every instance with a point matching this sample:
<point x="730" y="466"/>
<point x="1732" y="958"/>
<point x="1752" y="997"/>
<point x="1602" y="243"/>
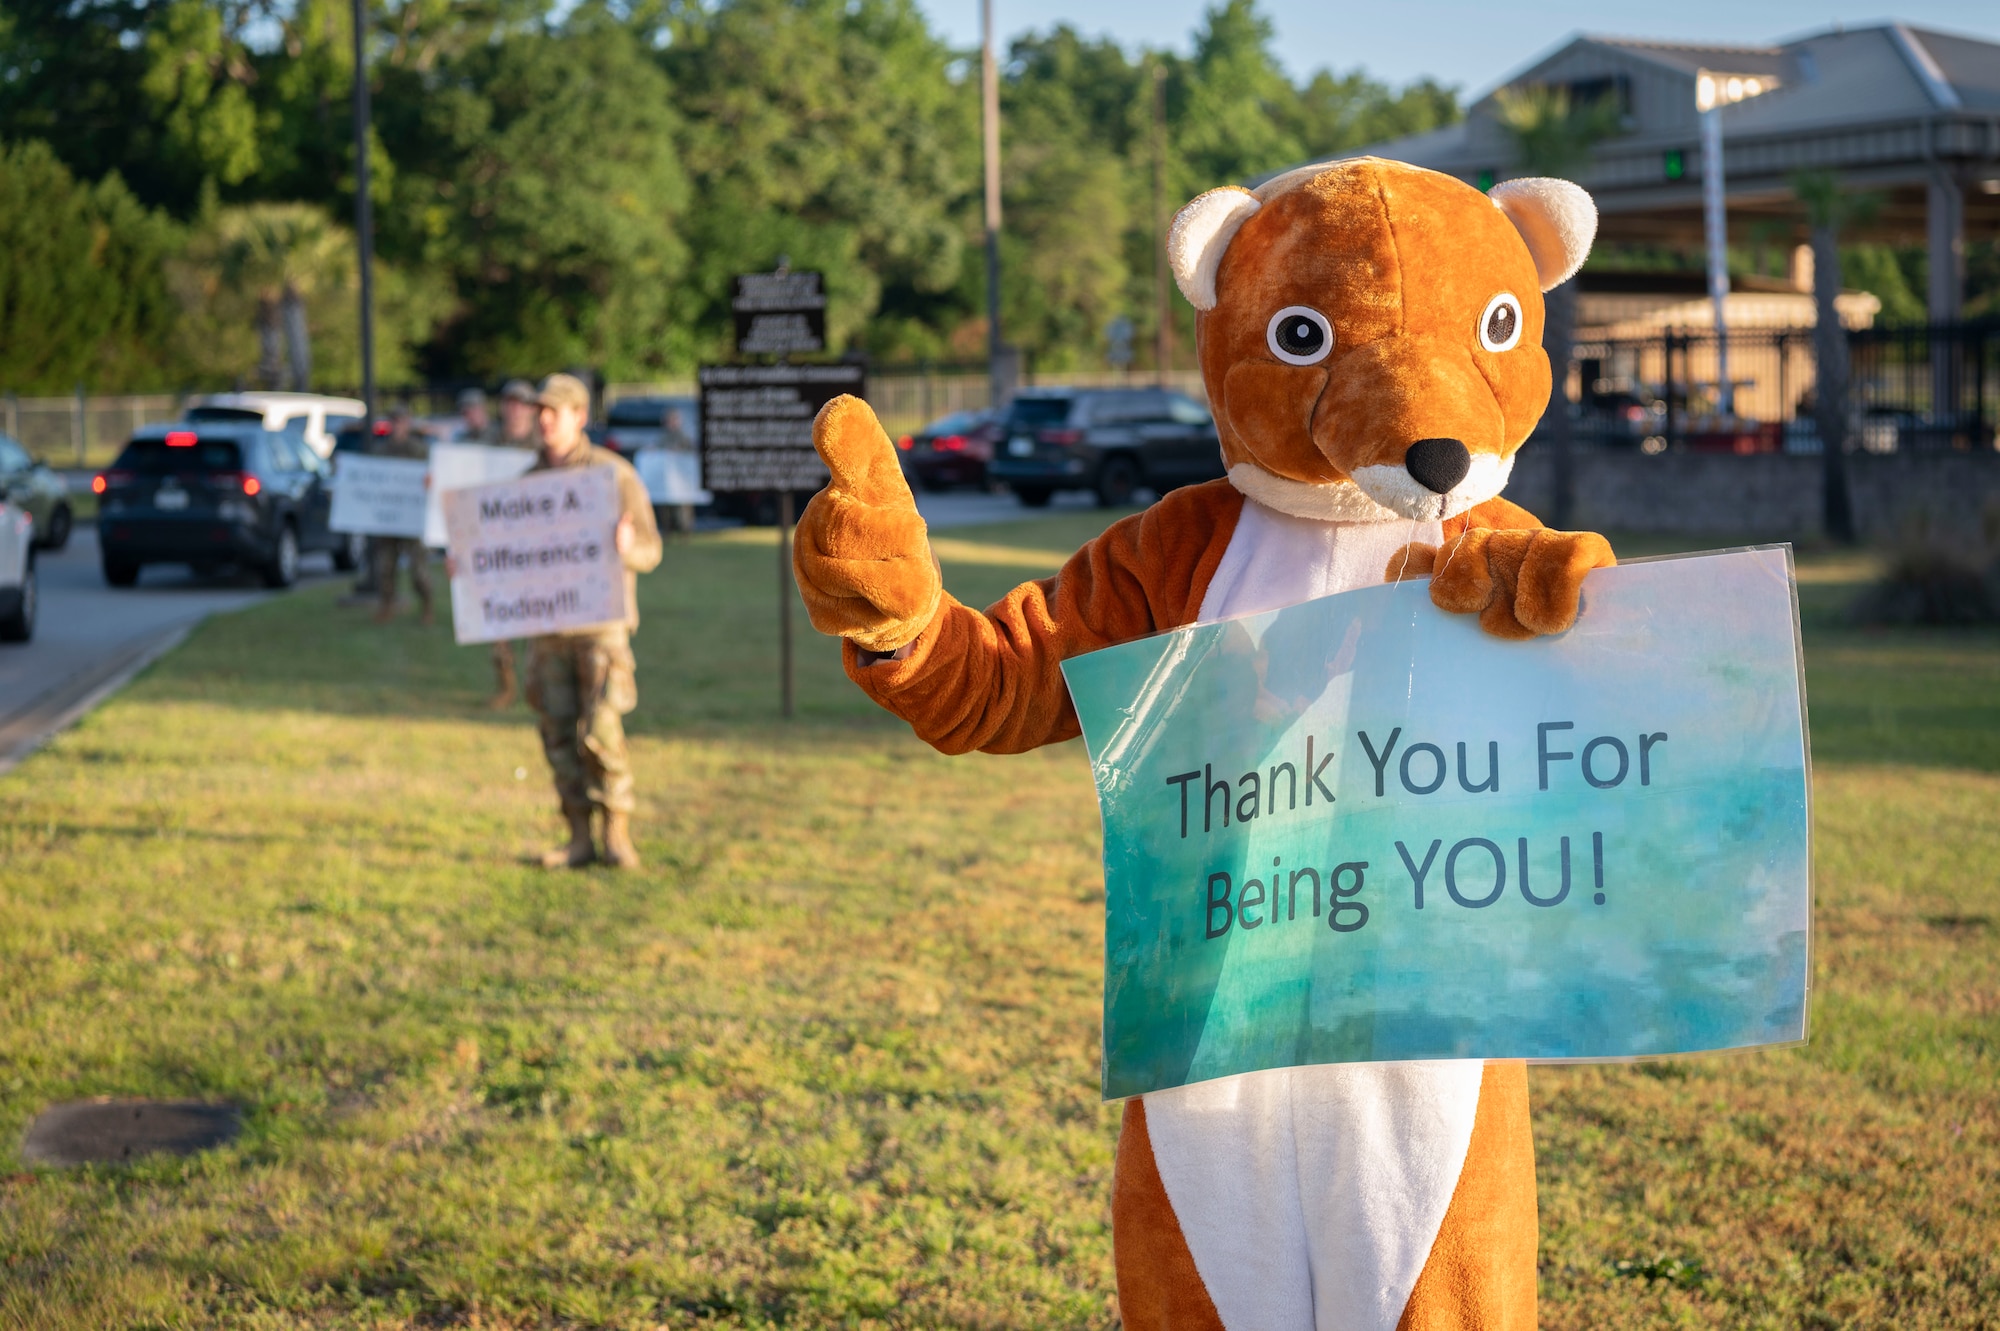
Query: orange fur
<point x="1159" y="1288"/>
<point x="1402" y="262"/>
<point x="1481" y="1270"/>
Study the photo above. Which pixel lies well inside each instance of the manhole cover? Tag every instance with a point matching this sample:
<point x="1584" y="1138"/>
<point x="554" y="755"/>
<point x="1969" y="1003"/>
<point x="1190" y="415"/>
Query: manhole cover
<point x="93" y="1131"/>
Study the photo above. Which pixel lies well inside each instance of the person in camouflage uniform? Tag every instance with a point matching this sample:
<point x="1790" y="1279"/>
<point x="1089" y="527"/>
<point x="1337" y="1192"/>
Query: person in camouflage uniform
<point x="582" y="684"/>
<point x="402" y="441"/>
<point x="517" y="428"/>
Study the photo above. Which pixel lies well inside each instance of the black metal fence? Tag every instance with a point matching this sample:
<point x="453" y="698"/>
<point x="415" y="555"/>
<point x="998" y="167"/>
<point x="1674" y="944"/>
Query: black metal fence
<point x="1911" y="389"/>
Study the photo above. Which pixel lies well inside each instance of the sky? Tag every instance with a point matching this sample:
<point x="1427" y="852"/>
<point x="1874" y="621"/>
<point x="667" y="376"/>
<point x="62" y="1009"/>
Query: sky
<point x="1472" y="43"/>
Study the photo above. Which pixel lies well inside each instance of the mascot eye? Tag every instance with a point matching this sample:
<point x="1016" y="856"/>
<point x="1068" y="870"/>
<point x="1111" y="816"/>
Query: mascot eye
<point x="1299" y="335"/>
<point x="1500" y="325"/>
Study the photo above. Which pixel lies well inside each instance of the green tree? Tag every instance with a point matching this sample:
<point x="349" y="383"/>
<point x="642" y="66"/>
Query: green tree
<point x="541" y="173"/>
<point x="82" y="293"/>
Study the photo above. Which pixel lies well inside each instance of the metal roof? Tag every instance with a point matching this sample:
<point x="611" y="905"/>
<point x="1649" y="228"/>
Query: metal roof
<point x="1886" y="106"/>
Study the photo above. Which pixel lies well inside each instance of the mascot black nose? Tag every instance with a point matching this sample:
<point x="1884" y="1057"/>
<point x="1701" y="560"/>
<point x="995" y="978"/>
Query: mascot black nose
<point x="1438" y="464"/>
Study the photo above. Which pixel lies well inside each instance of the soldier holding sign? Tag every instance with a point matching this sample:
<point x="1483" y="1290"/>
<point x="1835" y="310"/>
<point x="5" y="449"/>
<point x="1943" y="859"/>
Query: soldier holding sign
<point x="517" y="430"/>
<point x="401" y="442"/>
<point x="581" y="684"/>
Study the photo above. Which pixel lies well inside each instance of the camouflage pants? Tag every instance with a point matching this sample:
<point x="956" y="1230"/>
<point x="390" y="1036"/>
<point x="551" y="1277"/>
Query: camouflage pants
<point x="390" y="549"/>
<point x="580" y="688"/>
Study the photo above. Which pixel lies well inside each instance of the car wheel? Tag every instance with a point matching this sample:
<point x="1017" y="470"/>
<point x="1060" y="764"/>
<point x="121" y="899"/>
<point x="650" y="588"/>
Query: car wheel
<point x="19" y="624"/>
<point x="283" y="570"/>
<point x="347" y="551"/>
<point x="120" y="572"/>
<point x="60" y="522"/>
<point x="1033" y="496"/>
<point x="1116" y="480"/>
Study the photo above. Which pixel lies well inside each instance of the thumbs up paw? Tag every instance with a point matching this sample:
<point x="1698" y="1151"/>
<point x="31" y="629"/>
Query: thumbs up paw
<point x="863" y="557"/>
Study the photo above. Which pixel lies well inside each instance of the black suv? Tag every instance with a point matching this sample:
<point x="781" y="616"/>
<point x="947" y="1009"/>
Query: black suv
<point x="215" y="493"/>
<point x="1113" y="441"/>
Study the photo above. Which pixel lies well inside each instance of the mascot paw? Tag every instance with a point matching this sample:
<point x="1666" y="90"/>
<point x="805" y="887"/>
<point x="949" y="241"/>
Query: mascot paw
<point x="1519" y="583"/>
<point x="863" y="558"/>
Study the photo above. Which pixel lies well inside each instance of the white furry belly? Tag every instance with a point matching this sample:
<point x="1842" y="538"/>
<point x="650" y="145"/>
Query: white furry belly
<point x="1309" y="1197"/>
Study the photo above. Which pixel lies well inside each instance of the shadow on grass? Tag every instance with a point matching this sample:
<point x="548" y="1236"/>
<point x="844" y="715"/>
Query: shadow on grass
<point x="708" y="651"/>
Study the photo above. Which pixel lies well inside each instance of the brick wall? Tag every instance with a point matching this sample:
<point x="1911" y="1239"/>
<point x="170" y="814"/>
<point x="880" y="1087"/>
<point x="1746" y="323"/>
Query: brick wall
<point x="1763" y="497"/>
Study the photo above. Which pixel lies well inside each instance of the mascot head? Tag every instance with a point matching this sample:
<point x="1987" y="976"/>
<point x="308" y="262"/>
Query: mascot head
<point x="1371" y="333"/>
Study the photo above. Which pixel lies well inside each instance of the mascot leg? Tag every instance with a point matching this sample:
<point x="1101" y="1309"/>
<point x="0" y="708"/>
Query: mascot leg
<point x="1380" y="1196"/>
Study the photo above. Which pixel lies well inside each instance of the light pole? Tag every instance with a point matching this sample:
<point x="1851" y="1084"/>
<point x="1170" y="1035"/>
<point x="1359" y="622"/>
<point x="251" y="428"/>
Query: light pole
<point x="1712" y="92"/>
<point x="364" y="222"/>
<point x="989" y="124"/>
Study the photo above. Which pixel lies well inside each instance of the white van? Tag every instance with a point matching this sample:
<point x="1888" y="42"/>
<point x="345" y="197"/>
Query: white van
<point x="17" y="574"/>
<point x="308" y="416"/>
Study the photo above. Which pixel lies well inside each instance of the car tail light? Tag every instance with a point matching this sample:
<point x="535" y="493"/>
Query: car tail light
<point x="951" y="443"/>
<point x="1635" y="413"/>
<point x="906" y="443"/>
<point x="235" y="480"/>
<point x="251" y="485"/>
<point x="97" y="485"/>
<point x="1064" y="437"/>
<point x="180" y="439"/>
<point x="381" y="429"/>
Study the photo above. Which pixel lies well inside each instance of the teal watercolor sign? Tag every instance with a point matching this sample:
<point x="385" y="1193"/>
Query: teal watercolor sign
<point x="1359" y="829"/>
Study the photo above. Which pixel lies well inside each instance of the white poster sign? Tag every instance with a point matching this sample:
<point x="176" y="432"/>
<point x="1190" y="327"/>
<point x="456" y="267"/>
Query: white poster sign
<point x="461" y="466"/>
<point x="535" y="555"/>
<point x="378" y="496"/>
<point x="672" y="475"/>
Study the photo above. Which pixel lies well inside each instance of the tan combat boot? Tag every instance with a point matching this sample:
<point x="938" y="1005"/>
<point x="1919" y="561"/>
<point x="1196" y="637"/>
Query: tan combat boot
<point x="506" y="687"/>
<point x="579" y="852"/>
<point x="619" y="852"/>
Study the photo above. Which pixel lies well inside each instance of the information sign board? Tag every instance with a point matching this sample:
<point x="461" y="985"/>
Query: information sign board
<point x="779" y="314"/>
<point x="756" y="423"/>
<point x="1360" y="829"/>
<point x="535" y="555"/>
<point x="378" y="496"/>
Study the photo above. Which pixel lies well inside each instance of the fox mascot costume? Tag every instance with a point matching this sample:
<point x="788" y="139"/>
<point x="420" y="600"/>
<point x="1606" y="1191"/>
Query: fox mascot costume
<point x="1370" y="338"/>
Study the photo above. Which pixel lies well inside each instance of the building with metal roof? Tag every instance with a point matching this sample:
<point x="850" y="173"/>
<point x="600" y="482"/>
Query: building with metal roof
<point x="1908" y="113"/>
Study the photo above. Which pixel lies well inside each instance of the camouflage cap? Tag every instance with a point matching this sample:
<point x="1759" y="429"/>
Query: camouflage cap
<point x="471" y="397"/>
<point x="518" y="390"/>
<point x="564" y="390"/>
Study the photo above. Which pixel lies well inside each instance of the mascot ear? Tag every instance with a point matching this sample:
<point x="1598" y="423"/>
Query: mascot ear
<point x="1200" y="234"/>
<point x="1556" y="218"/>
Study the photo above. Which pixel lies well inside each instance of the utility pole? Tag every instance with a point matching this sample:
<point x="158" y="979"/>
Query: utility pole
<point x="989" y="122"/>
<point x="1163" y="346"/>
<point x="1716" y="227"/>
<point x="1712" y="92"/>
<point x="364" y="220"/>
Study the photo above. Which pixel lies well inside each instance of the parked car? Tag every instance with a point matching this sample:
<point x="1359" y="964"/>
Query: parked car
<point x="28" y="483"/>
<point x="18" y="598"/>
<point x="221" y="492"/>
<point x="312" y="417"/>
<point x="634" y="423"/>
<point x="1622" y="419"/>
<point x="952" y="450"/>
<point x="1113" y="441"/>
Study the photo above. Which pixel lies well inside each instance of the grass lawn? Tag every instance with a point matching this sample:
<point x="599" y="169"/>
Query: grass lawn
<point x="830" y="1059"/>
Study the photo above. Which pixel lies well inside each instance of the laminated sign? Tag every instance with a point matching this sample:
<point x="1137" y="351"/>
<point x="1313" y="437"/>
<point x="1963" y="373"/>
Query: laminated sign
<point x="378" y="496"/>
<point x="1360" y="829"/>
<point x="536" y="555"/>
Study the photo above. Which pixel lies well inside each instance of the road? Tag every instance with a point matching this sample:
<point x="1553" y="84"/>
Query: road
<point x="967" y="508"/>
<point x="90" y="638"/>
